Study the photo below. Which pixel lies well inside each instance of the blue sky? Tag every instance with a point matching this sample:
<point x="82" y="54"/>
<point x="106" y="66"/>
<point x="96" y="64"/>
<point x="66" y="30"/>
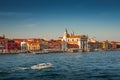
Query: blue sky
<point x="39" y="18"/>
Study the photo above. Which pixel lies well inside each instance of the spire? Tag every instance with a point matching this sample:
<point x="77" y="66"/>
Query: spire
<point x="66" y="31"/>
<point x="73" y="33"/>
<point x="45" y="37"/>
<point x="3" y="35"/>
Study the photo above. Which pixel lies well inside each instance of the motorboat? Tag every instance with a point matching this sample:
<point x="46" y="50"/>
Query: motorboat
<point x="41" y="66"/>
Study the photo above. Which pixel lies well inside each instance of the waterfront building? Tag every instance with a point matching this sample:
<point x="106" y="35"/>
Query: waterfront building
<point x="3" y="44"/>
<point x="94" y="45"/>
<point x="115" y="45"/>
<point x="54" y="44"/>
<point x="24" y="46"/>
<point x="118" y="45"/>
<point x="50" y="45"/>
<point x="43" y="44"/>
<point x="33" y="44"/>
<point x="107" y="45"/>
<point x="74" y="41"/>
<point x="12" y="46"/>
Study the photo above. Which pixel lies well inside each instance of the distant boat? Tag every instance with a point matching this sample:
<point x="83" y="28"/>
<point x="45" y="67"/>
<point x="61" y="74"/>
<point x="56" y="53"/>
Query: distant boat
<point x="98" y="50"/>
<point x="38" y="52"/>
<point x="41" y="66"/>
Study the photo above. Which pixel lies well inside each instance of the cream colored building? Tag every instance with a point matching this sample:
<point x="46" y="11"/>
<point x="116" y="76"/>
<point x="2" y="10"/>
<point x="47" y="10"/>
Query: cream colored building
<point x="24" y="46"/>
<point x="33" y="44"/>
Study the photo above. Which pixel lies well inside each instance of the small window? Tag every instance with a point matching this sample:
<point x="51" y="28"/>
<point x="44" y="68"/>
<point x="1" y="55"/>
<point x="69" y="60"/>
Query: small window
<point x="68" y="40"/>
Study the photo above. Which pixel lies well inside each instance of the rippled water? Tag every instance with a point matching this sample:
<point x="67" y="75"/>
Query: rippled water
<point x="66" y="66"/>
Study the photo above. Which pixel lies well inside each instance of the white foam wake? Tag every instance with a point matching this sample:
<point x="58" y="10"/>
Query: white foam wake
<point x="22" y="68"/>
<point x="19" y="68"/>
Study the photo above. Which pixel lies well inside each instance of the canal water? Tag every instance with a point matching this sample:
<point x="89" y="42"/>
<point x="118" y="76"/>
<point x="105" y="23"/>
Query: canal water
<point x="66" y="66"/>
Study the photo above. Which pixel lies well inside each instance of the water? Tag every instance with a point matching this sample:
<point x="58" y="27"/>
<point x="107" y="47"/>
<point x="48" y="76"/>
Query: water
<point x="66" y="66"/>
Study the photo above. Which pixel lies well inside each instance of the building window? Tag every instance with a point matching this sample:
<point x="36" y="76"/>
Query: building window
<point x="77" y="39"/>
<point x="68" y="40"/>
<point x="72" y="39"/>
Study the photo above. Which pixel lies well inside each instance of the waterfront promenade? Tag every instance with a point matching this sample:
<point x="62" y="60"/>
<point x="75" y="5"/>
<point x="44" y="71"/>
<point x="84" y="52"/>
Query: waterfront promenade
<point x="48" y="51"/>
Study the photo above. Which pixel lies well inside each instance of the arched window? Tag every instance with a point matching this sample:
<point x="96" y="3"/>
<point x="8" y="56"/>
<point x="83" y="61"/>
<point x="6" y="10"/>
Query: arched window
<point x="72" y="39"/>
<point x="77" y="39"/>
<point x="68" y="40"/>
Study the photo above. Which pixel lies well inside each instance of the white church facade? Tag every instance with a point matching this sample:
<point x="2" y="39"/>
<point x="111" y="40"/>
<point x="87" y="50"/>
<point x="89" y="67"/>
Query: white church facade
<point x="74" y="41"/>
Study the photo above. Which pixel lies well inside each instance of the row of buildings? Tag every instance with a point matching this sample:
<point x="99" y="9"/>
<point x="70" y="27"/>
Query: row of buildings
<point x="81" y="43"/>
<point x="67" y="42"/>
<point x="27" y="45"/>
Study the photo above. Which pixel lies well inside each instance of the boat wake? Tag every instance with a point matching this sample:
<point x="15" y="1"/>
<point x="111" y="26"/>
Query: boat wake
<point x="19" y="68"/>
<point x="41" y="66"/>
<point x="22" y="68"/>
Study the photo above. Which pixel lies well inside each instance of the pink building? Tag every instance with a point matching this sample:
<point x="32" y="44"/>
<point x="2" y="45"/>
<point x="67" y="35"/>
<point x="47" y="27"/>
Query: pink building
<point x="12" y="46"/>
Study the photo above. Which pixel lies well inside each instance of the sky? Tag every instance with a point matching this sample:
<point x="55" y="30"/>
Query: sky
<point x="49" y="18"/>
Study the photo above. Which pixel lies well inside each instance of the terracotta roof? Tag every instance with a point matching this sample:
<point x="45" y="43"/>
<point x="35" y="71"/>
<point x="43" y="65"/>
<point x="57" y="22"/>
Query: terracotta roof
<point x="32" y="42"/>
<point x="72" y="46"/>
<point x="2" y="37"/>
<point x="20" y="40"/>
<point x="74" y="37"/>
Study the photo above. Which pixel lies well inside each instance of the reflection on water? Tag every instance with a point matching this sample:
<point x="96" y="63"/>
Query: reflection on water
<point x="66" y="66"/>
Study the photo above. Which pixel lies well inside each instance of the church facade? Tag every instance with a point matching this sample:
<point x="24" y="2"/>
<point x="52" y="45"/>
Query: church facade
<point x="74" y="41"/>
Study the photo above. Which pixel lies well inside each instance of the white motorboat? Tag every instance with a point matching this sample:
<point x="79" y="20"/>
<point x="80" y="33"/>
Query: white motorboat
<point x="41" y="66"/>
